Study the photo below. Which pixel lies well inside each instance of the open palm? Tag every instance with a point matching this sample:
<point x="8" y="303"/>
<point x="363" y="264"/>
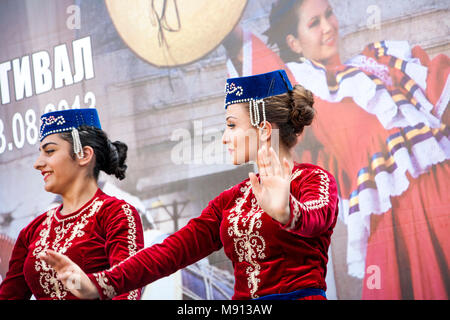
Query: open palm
<point x="71" y="275"/>
<point x="272" y="190"/>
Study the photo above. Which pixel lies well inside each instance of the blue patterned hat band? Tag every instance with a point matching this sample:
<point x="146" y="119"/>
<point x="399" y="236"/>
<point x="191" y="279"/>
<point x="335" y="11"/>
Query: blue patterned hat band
<point x="67" y="120"/>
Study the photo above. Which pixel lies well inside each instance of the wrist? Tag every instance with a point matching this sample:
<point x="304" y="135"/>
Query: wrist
<point x="92" y="292"/>
<point x="283" y="216"/>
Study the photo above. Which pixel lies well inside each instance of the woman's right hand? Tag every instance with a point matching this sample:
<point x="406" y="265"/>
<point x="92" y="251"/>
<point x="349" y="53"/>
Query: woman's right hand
<point x="70" y="274"/>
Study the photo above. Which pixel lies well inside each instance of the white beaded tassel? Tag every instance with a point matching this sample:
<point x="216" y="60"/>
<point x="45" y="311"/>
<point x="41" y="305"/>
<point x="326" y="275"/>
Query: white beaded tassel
<point x="77" y="147"/>
<point x="263" y="107"/>
<point x="254" y="112"/>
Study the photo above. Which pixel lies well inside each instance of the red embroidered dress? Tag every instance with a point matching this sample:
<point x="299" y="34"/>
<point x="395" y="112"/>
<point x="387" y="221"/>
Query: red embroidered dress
<point x="99" y="235"/>
<point x="267" y="257"/>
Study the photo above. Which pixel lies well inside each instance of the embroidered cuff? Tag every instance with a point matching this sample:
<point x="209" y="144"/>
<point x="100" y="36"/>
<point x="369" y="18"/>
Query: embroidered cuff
<point x="134" y="295"/>
<point x="105" y="290"/>
<point x="295" y="213"/>
<point x="321" y="193"/>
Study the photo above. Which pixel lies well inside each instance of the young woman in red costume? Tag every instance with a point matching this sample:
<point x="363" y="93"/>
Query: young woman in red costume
<point x="95" y="230"/>
<point x="382" y="130"/>
<point x="274" y="226"/>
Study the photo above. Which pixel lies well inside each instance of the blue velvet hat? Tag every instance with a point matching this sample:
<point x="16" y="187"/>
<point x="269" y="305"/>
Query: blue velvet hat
<point x="257" y="87"/>
<point x="67" y="120"/>
<point x="253" y="89"/>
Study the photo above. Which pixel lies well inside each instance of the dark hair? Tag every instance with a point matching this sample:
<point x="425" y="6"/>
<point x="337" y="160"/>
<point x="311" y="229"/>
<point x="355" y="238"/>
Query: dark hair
<point x="283" y="20"/>
<point x="109" y="156"/>
<point x="291" y="112"/>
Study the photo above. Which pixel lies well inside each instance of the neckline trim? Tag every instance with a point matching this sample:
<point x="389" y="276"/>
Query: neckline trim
<point x="59" y="217"/>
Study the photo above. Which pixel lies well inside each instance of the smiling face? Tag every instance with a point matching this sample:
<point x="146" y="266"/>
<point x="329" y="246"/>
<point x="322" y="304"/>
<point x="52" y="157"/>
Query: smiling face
<point x="56" y="164"/>
<point x="240" y="136"/>
<point x="317" y="31"/>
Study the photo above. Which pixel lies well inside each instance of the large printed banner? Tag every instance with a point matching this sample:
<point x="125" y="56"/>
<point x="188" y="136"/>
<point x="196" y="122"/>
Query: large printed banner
<point x="156" y="70"/>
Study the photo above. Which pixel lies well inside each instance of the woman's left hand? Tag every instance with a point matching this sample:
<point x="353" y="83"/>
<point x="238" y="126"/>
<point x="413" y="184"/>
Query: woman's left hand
<point x="272" y="190"/>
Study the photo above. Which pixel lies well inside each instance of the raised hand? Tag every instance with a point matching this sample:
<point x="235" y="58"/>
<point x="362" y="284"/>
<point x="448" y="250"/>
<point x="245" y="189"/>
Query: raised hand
<point x="273" y="189"/>
<point x="70" y="274"/>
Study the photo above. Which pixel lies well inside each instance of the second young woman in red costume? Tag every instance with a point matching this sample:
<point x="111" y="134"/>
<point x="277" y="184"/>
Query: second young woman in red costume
<point x="275" y="226"/>
<point x="94" y="229"/>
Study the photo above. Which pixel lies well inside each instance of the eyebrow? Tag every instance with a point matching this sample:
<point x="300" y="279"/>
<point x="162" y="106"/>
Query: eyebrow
<point x="230" y="117"/>
<point x="45" y="145"/>
<point x="312" y="19"/>
<point x="317" y="16"/>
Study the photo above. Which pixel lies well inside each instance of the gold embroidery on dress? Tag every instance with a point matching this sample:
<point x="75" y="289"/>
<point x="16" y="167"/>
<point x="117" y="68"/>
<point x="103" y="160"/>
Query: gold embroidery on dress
<point x="133" y="295"/>
<point x="296" y="174"/>
<point x="322" y="201"/>
<point x="132" y="246"/>
<point x="132" y="249"/>
<point x="102" y="280"/>
<point x="249" y="245"/>
<point x="47" y="275"/>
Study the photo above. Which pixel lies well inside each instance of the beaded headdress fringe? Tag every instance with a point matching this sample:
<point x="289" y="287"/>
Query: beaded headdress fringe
<point x="77" y="147"/>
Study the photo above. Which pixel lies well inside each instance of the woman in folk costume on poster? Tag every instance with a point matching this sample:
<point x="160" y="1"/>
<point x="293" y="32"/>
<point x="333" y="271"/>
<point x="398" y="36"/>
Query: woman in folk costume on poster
<point x="97" y="231"/>
<point x="382" y="130"/>
<point x="274" y="226"/>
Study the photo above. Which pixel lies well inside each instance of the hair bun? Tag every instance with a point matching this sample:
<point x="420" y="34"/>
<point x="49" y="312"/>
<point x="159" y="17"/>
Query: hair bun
<point x="115" y="161"/>
<point x="302" y="111"/>
<point x="118" y="153"/>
